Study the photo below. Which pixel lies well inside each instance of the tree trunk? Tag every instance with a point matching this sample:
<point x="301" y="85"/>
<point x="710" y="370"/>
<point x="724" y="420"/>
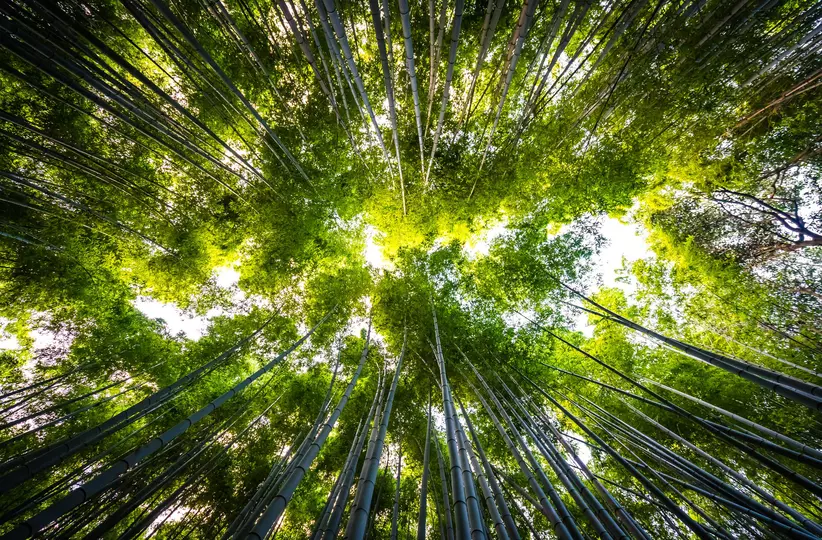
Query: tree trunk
<point x="459" y="504"/>
<point x="446" y="510"/>
<point x="490" y="504"/>
<point x="281" y="500"/>
<point x="358" y="521"/>
<point x="412" y="74"/>
<point x="449" y="74"/>
<point x="333" y="527"/>
<point x="421" y="521"/>
<point x="396" y="511"/>
<point x="59" y="451"/>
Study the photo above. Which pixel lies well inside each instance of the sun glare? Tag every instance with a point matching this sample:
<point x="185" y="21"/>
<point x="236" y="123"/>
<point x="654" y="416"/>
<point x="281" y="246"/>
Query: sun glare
<point x="479" y="244"/>
<point x="373" y="251"/>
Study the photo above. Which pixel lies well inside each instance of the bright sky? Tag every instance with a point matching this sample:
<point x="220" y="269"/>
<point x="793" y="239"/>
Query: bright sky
<point x="625" y="242"/>
<point x="373" y="252"/>
<point x="7" y="341"/>
<point x="480" y="244"/>
<point x="628" y="241"/>
<point x="42" y="338"/>
<point x="176" y="320"/>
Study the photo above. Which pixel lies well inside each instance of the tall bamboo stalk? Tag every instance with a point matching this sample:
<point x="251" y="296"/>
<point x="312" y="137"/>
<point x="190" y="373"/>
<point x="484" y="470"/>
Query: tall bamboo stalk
<point x="389" y="84"/>
<point x="488" y="496"/>
<point x="395" y="513"/>
<point x="325" y="515"/>
<point x="449" y="75"/>
<point x="339" y="506"/>
<point x="556" y="511"/>
<point x="339" y="29"/>
<point x="459" y="503"/>
<point x="357" y="523"/>
<point x="277" y="506"/>
<point x="446" y="503"/>
<point x="59" y="451"/>
<point x="421" y="520"/>
<point x="499" y="497"/>
<point x="405" y="15"/>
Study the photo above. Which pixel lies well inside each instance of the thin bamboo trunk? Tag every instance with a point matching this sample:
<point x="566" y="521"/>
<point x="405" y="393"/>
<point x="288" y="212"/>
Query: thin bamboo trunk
<point x="561" y="519"/>
<point x="464" y="527"/>
<point x="421" y="520"/>
<point x="719" y="432"/>
<point x="706" y="476"/>
<point x="339" y="29"/>
<point x="795" y="389"/>
<point x="449" y="75"/>
<point x="489" y="26"/>
<point x="793" y="443"/>
<point x="389" y="86"/>
<point x="475" y="517"/>
<point x="499" y="497"/>
<point x="585" y="501"/>
<point x="434" y="59"/>
<point x="277" y="506"/>
<point x="395" y="513"/>
<point x="517" y="40"/>
<point x="696" y="527"/>
<point x="189" y="37"/>
<point x="488" y="496"/>
<point x="312" y="61"/>
<point x="624" y="517"/>
<point x="339" y="506"/>
<point x="59" y="451"/>
<point x="405" y="14"/>
<point x="358" y="521"/>
<point x="325" y="516"/>
<point x="446" y="510"/>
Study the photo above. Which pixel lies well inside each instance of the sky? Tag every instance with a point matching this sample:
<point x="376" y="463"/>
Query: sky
<point x="626" y="242"/>
<point x="192" y="326"/>
<point x="373" y="252"/>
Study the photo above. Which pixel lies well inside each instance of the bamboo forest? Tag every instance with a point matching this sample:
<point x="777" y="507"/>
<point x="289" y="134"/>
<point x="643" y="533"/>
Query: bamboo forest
<point x="411" y="269"/>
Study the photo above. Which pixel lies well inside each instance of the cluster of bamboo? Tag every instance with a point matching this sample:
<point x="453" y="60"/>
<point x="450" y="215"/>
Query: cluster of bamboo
<point x="526" y="424"/>
<point x="106" y="87"/>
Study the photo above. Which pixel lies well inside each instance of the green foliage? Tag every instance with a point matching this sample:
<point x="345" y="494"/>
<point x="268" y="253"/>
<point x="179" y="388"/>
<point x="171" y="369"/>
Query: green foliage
<point x="141" y="153"/>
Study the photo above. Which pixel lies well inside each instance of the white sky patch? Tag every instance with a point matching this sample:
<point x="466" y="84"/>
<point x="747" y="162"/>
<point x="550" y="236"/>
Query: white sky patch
<point x="226" y="277"/>
<point x="43" y="338"/>
<point x="360" y="325"/>
<point x="172" y="515"/>
<point x="193" y="327"/>
<point x="175" y="319"/>
<point x="373" y="251"/>
<point x="581" y="450"/>
<point x="480" y="244"/>
<point x="8" y="342"/>
<point x="626" y="242"/>
<point x="517" y="320"/>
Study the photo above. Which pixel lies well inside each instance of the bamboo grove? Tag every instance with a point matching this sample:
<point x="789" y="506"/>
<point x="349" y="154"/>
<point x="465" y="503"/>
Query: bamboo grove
<point x="240" y="161"/>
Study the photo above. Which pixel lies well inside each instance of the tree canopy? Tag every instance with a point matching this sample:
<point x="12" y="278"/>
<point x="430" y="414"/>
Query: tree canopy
<point x="395" y="224"/>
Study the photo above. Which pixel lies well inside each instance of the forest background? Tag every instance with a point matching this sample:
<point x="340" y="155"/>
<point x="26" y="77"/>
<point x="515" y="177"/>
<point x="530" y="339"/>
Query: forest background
<point x="425" y="190"/>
